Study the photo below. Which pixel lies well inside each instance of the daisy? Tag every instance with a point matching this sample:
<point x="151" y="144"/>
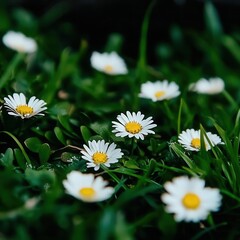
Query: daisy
<point x="19" y="42"/>
<point x="17" y="106"/>
<point x="109" y="63"/>
<point x="211" y="86"/>
<point x="86" y="187"/>
<point x="133" y="125"/>
<point x="189" y="200"/>
<point x="158" y="91"/>
<point x="97" y="153"/>
<point x="190" y="139"/>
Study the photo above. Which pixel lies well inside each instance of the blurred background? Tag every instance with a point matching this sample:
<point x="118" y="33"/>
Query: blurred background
<point x="95" y="20"/>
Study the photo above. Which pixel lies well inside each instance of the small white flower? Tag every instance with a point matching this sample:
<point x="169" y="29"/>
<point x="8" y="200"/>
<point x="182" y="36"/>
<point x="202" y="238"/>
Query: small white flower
<point x="189" y="200"/>
<point x="86" y="187"/>
<point x="109" y="63"/>
<point x="190" y="139"/>
<point x="19" y="42"/>
<point x="159" y="90"/>
<point x="97" y="153"/>
<point x="17" y="106"/>
<point x="133" y="125"/>
<point x="211" y="86"/>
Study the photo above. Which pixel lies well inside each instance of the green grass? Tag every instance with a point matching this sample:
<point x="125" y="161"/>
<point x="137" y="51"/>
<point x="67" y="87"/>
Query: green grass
<point x="36" y="154"/>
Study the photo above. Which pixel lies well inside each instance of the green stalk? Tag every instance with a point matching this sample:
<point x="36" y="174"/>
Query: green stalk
<point x="179" y="117"/>
<point x="113" y="176"/>
<point x="10" y="69"/>
<point x="230" y="99"/>
<point x="20" y="146"/>
<point x="231" y="195"/>
<point x="142" y="62"/>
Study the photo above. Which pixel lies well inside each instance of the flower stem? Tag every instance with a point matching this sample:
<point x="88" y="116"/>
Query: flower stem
<point x="20" y="146"/>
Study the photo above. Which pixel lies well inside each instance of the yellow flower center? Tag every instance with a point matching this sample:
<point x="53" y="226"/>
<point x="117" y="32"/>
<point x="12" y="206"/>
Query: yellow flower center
<point x="133" y="127"/>
<point x="191" y="201"/>
<point x="108" y="68"/>
<point x="159" y="94"/>
<point x="87" y="192"/>
<point x="99" y="157"/>
<point x="196" y="143"/>
<point x="24" y="110"/>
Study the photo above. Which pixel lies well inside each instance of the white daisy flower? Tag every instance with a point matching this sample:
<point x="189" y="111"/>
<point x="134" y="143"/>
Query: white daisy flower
<point x="86" y="187"/>
<point x="159" y="90"/>
<point x="100" y="152"/>
<point x="19" y="42"/>
<point x="189" y="200"/>
<point x="133" y="125"/>
<point x="17" y="106"/>
<point x="190" y="140"/>
<point x="109" y="63"/>
<point x="211" y="86"/>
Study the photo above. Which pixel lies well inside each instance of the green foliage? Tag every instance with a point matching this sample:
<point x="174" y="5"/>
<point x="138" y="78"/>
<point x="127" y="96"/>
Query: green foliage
<point x="37" y="153"/>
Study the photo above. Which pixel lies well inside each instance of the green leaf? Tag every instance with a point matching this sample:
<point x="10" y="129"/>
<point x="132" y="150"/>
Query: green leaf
<point x="20" y="158"/>
<point x="142" y="61"/>
<point x="59" y="134"/>
<point x="64" y="120"/>
<point x="44" y="153"/>
<point x="106" y="224"/>
<point x="122" y="230"/>
<point x="40" y="178"/>
<point x="7" y="158"/>
<point x="232" y="46"/>
<point x="212" y="20"/>
<point x="179" y="152"/>
<point x="101" y="129"/>
<point x="33" y="144"/>
<point x="10" y="197"/>
<point x="86" y="134"/>
<point x="70" y="157"/>
<point x="132" y="164"/>
<point x="61" y="108"/>
<point x="54" y="13"/>
<point x="50" y="136"/>
<point x="8" y="74"/>
<point x="25" y="20"/>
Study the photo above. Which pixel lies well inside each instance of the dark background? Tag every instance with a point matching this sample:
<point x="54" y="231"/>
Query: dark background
<point x="95" y="19"/>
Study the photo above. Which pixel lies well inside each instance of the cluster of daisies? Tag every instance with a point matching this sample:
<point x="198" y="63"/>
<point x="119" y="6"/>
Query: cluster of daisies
<point x="187" y="198"/>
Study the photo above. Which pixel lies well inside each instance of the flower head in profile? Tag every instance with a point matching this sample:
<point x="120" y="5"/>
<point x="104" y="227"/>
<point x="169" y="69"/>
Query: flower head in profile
<point x="211" y="86"/>
<point x="189" y="200"/>
<point x="190" y="140"/>
<point x="86" y="187"/>
<point x="17" y="106"/>
<point x="109" y="63"/>
<point x="100" y="152"/>
<point x="19" y="42"/>
<point x="159" y="90"/>
<point x="133" y="125"/>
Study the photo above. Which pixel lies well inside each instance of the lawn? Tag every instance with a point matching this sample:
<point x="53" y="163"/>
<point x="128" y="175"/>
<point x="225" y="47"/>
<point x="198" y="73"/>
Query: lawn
<point x="96" y="144"/>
